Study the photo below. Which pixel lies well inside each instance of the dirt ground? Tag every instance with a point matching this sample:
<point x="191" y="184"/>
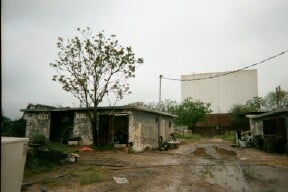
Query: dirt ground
<point x="208" y="165"/>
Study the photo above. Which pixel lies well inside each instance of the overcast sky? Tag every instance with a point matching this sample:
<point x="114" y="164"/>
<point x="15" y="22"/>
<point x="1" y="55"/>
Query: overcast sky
<point x="174" y="37"/>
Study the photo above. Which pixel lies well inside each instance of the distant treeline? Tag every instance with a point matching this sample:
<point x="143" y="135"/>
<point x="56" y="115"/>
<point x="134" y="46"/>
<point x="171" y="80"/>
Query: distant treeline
<point x="12" y="128"/>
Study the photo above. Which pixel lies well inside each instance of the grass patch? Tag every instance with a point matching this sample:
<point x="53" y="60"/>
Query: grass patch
<point x="83" y="177"/>
<point x="88" y="176"/>
<point x="187" y="138"/>
<point x="56" y="182"/>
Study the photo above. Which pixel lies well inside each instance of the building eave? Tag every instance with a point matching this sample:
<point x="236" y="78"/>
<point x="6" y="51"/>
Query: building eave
<point x="268" y="114"/>
<point x="104" y="108"/>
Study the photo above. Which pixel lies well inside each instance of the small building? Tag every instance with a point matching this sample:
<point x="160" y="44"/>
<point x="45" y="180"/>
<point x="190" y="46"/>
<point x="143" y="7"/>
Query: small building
<point x="214" y="124"/>
<point x="269" y="130"/>
<point x="136" y="126"/>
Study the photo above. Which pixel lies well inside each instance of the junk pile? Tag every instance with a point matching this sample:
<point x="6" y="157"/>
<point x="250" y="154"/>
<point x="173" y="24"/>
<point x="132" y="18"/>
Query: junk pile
<point x="244" y="139"/>
<point x="171" y="144"/>
<point x="45" y="155"/>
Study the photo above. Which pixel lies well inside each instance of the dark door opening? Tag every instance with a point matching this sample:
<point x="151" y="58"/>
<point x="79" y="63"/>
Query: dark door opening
<point x="121" y="129"/>
<point x="105" y="129"/>
<point x="113" y="129"/>
<point x="61" y="127"/>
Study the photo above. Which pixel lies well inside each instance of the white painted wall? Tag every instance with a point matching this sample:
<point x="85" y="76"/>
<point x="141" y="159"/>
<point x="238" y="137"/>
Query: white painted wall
<point x="222" y="92"/>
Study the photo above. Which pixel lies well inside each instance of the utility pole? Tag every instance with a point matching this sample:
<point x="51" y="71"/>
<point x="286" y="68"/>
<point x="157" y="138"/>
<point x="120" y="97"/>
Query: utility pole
<point x="278" y="90"/>
<point x="160" y="78"/>
<point x="159" y="117"/>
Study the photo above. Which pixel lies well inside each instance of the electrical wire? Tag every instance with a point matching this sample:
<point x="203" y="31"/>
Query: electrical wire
<point x="230" y="72"/>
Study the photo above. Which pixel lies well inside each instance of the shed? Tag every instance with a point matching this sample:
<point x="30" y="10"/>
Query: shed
<point x="136" y="126"/>
<point x="213" y="124"/>
<point x="270" y="130"/>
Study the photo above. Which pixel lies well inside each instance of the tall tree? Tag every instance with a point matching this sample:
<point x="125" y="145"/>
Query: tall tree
<point x="255" y="104"/>
<point x="238" y="111"/>
<point x="165" y="106"/>
<point x="189" y="112"/>
<point x="276" y="100"/>
<point x="92" y="67"/>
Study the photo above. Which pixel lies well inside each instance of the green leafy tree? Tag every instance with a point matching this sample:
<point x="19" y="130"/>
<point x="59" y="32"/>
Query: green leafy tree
<point x="190" y="111"/>
<point x="276" y="100"/>
<point x="238" y="111"/>
<point x="92" y="67"/>
<point x="255" y="104"/>
<point x="165" y="106"/>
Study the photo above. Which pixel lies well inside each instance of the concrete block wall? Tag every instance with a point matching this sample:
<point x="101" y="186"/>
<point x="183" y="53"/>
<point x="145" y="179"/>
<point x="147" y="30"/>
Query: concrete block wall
<point x="38" y="124"/>
<point x="144" y="130"/>
<point x="82" y="128"/>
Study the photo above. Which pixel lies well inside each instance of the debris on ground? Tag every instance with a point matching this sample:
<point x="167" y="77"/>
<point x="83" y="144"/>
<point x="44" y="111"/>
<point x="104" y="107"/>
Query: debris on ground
<point x="121" y="180"/>
<point x="73" y="158"/>
<point x="86" y="149"/>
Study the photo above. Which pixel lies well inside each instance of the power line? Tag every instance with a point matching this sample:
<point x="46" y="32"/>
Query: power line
<point x="230" y="72"/>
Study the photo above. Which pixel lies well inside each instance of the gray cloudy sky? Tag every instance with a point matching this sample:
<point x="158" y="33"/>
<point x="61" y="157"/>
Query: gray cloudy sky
<point x="175" y="37"/>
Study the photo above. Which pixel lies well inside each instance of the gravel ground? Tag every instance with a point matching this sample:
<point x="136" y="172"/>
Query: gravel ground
<point x="208" y="165"/>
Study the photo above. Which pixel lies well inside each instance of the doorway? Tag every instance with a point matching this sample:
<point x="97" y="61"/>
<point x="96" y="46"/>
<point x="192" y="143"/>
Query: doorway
<point x="121" y="124"/>
<point x="61" y="127"/>
<point x="113" y="129"/>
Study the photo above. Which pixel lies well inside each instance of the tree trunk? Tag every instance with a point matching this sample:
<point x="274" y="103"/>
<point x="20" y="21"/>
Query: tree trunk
<point x="95" y="127"/>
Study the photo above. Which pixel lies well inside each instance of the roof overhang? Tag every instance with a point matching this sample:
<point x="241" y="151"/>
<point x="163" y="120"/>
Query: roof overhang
<point x="109" y="108"/>
<point x="268" y="114"/>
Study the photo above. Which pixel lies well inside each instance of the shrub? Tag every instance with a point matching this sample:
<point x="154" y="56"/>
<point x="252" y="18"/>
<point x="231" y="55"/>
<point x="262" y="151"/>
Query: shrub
<point x="39" y="139"/>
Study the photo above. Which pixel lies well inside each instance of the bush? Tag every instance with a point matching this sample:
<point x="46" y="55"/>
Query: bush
<point x="39" y="139"/>
<point x="47" y="155"/>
